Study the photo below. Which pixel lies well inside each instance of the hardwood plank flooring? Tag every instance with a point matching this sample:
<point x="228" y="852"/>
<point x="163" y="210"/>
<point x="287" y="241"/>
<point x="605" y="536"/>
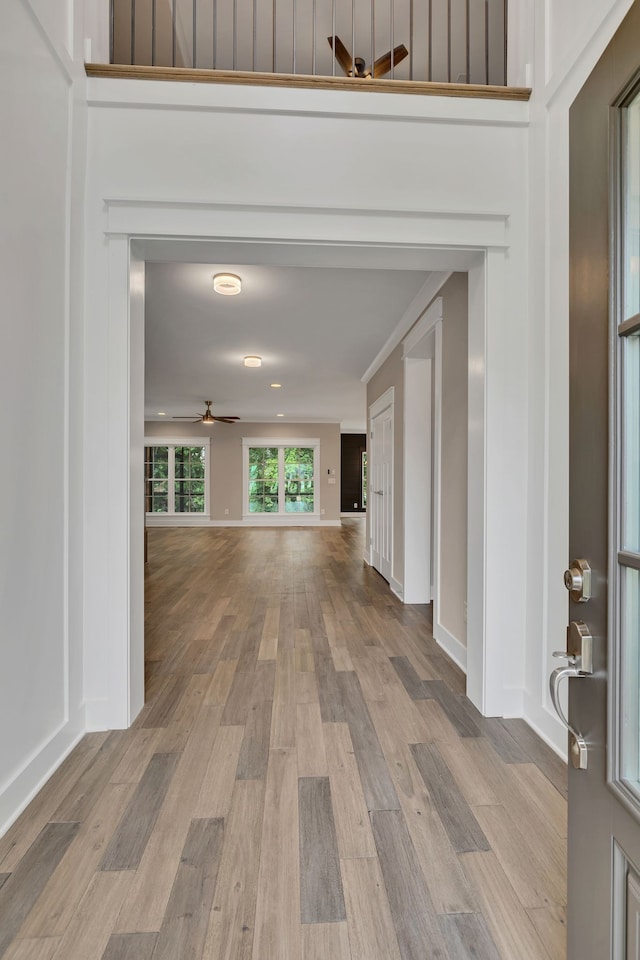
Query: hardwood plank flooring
<point x="306" y="781"/>
<point x="321" y="897"/>
<point x="130" y="946"/>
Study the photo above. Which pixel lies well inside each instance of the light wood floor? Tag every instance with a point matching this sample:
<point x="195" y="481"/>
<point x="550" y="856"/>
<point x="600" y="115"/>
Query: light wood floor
<point x="306" y="782"/>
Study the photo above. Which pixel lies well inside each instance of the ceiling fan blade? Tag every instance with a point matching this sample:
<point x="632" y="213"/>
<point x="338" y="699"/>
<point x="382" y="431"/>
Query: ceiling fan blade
<point x="191" y="417"/>
<point x="383" y="64"/>
<point x="226" y="419"/>
<point x="342" y="55"/>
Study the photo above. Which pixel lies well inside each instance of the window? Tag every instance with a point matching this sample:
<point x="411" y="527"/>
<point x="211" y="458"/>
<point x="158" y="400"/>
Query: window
<point x="176" y="478"/>
<point x="280" y="479"/>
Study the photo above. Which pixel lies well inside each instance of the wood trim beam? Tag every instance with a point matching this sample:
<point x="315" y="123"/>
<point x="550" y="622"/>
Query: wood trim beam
<point x="416" y="87"/>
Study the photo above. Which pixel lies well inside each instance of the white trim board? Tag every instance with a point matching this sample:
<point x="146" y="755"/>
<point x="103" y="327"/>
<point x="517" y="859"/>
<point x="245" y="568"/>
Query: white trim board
<point x="422" y="362"/>
<point x="285" y="521"/>
<point x="396" y="588"/>
<point x="451" y="646"/>
<point x="414" y="311"/>
<point x="385" y="400"/>
<point x="18" y="793"/>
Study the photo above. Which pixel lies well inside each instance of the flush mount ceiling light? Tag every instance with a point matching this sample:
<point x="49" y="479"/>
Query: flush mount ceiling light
<point x="279" y="414"/>
<point x="253" y="361"/>
<point x="228" y="284"/>
<point x="275" y="385"/>
<point x="161" y="413"/>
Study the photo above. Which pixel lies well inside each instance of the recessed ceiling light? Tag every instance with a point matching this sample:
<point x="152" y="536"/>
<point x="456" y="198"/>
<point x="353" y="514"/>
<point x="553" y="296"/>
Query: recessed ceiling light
<point x="279" y="414"/>
<point x="275" y="384"/>
<point x="253" y="361"/>
<point x="161" y="413"/>
<point x="228" y="284"/>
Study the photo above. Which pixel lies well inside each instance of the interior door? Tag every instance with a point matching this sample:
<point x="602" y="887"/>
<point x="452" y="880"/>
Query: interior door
<point x="603" y="578"/>
<point x="380" y="494"/>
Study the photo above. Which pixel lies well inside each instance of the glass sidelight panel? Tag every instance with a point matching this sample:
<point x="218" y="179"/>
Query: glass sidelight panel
<point x="630" y="643"/>
<point x="631" y="200"/>
<point x="627" y="620"/>
<point x="630" y="500"/>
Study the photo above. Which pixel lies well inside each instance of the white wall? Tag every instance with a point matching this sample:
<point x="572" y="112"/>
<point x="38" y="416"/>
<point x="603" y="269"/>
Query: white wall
<point x="225" y="484"/>
<point x="272" y="164"/>
<point x="569" y="38"/>
<point x="42" y="118"/>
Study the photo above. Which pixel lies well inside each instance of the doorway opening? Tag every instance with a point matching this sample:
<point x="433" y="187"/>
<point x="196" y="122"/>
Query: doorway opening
<point x="493" y="664"/>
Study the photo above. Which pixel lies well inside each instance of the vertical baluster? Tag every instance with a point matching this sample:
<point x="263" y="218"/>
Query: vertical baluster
<point x="255" y="35"/>
<point x="486" y="41"/>
<point x="468" y="51"/>
<point x="314" y="39"/>
<point x="111" y="32"/>
<point x="173" y="33"/>
<point x="194" y="34"/>
<point x="214" y="14"/>
<point x="273" y="39"/>
<point x="235" y="34"/>
<point x="372" y="54"/>
<point x="411" y="39"/>
<point x="430" y="70"/>
<point x="154" y="14"/>
<point x="505" y="18"/>
<point x="293" y="27"/>
<point x="333" y="33"/>
<point x="133" y="32"/>
<point x="449" y="41"/>
<point x="353" y="36"/>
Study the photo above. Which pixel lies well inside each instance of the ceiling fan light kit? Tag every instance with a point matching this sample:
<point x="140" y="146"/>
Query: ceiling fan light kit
<point x="356" y="68"/>
<point x="253" y="361"/>
<point x="228" y="284"/>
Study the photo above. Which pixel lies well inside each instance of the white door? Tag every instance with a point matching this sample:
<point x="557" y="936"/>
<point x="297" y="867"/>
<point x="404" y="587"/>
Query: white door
<point x="603" y="640"/>
<point x="380" y="497"/>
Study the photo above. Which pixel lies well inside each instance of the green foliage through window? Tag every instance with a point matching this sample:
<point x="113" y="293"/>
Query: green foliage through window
<point x="175" y="478"/>
<point x="281" y="479"/>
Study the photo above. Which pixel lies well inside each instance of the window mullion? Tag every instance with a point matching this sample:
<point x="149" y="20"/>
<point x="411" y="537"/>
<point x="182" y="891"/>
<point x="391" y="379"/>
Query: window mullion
<point x="281" y="496"/>
<point x="171" y="485"/>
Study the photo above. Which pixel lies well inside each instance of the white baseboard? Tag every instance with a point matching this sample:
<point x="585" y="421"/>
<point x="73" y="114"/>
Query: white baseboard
<point x="396" y="588"/>
<point x="292" y="521"/>
<point x="548" y="727"/>
<point x="176" y="521"/>
<point x="21" y="790"/>
<point x="99" y="715"/>
<point x="451" y="646"/>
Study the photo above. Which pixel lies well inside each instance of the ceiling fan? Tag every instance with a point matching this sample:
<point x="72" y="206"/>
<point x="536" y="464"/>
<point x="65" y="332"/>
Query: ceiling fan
<point x="356" y="67"/>
<point x="207" y="416"/>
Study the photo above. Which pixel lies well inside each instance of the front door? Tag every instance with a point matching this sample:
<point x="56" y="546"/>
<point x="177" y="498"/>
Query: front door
<point x="604" y="798"/>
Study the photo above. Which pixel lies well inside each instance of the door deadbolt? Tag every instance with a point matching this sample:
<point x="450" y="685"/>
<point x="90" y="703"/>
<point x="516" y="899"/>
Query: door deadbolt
<point x="577" y="580"/>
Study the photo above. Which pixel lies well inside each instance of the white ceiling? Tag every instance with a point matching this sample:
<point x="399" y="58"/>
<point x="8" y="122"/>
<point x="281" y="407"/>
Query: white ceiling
<point x="318" y="328"/>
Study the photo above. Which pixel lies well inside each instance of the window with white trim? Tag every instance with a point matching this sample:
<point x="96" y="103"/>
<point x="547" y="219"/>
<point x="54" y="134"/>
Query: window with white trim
<point x="176" y="477"/>
<point x="280" y="479"/>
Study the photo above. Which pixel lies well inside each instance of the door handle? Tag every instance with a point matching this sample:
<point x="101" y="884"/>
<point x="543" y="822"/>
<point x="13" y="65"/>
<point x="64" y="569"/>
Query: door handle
<point x="578" y="746"/>
<point x="579" y="653"/>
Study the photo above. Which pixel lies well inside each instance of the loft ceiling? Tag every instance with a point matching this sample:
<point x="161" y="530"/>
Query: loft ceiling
<point x="317" y="327"/>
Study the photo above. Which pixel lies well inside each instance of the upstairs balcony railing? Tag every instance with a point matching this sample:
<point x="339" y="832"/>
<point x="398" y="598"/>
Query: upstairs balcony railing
<point x="441" y="41"/>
